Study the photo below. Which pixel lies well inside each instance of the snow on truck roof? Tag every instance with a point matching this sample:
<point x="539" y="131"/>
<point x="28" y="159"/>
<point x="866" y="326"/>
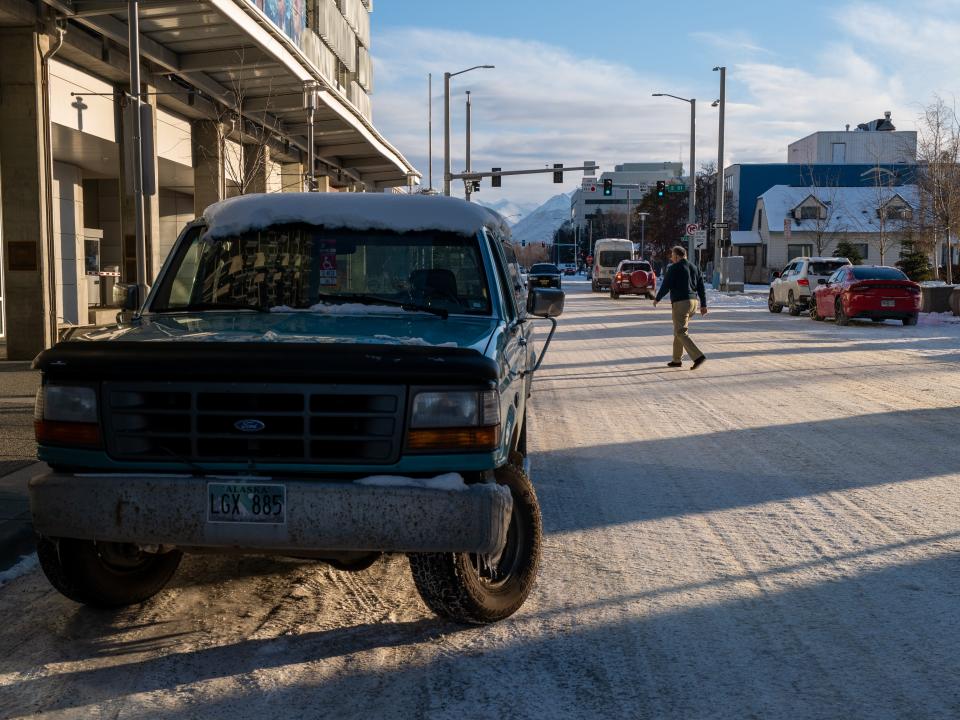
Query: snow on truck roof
<point x="353" y="211"/>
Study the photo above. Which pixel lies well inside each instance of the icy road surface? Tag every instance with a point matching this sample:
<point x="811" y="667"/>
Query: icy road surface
<point x="773" y="536"/>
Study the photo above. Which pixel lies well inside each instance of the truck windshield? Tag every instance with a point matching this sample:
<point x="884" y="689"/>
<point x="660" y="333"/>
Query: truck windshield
<point x="296" y="267"/>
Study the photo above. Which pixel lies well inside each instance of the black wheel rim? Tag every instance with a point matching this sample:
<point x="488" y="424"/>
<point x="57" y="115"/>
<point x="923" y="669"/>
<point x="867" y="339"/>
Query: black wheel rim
<point x="122" y="557"/>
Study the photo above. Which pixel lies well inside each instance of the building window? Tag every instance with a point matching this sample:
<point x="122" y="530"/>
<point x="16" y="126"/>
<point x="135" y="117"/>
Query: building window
<point x="863" y="249"/>
<point x="839" y="153"/>
<point x="809" y="212"/>
<point x="897" y="212"/>
<point x="795" y="251"/>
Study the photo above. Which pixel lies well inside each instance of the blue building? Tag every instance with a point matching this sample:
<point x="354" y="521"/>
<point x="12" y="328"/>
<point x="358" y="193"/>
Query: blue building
<point x="745" y="183"/>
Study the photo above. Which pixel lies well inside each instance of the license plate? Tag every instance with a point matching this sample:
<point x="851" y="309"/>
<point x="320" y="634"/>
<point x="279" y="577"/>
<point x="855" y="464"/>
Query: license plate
<point x="544" y="282"/>
<point x="245" y="502"/>
<point x="888" y="303"/>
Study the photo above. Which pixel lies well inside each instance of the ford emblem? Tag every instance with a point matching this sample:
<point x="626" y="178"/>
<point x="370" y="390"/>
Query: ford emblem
<point x="249" y="426"/>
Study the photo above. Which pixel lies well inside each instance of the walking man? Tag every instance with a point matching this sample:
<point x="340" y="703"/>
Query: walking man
<point x="685" y="284"/>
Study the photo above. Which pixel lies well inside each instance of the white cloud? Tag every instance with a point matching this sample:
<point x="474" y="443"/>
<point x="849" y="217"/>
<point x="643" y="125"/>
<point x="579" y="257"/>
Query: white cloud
<point x="544" y="104"/>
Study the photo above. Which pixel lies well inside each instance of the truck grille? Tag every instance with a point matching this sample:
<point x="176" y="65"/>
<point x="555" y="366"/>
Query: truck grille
<point x="212" y="422"/>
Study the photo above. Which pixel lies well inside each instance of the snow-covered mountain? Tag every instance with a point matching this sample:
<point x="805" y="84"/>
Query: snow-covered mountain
<point x="512" y="212"/>
<point x="539" y="225"/>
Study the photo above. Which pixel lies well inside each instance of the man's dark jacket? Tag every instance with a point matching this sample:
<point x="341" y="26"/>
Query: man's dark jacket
<point x="683" y="281"/>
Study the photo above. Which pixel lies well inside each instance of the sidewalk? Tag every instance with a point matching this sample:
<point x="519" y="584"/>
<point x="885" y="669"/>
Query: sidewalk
<point x="18" y="453"/>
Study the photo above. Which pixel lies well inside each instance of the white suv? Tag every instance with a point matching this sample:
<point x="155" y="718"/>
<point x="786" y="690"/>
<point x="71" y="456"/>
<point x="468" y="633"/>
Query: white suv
<point x="794" y="286"/>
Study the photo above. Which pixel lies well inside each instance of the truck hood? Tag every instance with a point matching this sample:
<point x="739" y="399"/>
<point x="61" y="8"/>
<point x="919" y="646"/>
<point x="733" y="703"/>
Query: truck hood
<point x="403" y="348"/>
<point x="389" y="328"/>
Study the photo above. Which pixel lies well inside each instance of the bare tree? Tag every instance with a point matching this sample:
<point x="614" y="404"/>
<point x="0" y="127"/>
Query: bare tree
<point x="938" y="176"/>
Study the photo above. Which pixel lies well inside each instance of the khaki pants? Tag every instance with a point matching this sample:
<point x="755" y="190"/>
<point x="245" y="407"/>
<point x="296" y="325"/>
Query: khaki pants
<point x="683" y="310"/>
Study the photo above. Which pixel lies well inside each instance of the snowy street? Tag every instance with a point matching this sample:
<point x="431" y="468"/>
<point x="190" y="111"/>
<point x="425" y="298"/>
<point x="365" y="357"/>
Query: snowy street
<point x="775" y="536"/>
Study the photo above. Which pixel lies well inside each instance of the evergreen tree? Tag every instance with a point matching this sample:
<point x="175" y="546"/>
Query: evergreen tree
<point x="914" y="262"/>
<point x="848" y="251"/>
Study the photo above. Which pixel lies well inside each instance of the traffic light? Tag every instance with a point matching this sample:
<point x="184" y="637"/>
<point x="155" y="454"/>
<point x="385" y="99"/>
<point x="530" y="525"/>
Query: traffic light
<point x="496" y="180"/>
<point x="476" y="185"/>
<point x="607" y="187"/>
<point x="661" y="188"/>
<point x="558" y="176"/>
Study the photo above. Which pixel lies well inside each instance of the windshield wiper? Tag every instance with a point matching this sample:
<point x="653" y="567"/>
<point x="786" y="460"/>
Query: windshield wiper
<point x="363" y="299"/>
<point x="201" y="306"/>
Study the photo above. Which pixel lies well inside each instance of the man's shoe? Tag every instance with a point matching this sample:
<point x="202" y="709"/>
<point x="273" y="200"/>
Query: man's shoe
<point x="674" y="363"/>
<point x="698" y="362"/>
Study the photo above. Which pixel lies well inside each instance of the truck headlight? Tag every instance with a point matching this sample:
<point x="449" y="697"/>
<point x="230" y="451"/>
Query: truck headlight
<point x="454" y="420"/>
<point x="67" y="415"/>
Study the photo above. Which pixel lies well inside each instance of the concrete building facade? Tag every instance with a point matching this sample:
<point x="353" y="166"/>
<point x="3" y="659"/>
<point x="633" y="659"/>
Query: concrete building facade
<point x="872" y="143"/>
<point x="225" y="84"/>
<point x="589" y="197"/>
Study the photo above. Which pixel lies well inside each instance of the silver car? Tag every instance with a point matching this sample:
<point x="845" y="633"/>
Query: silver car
<point x="793" y="288"/>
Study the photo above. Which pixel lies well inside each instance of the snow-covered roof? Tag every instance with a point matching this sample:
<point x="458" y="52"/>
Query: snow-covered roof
<point x="850" y="209"/>
<point x="745" y="237"/>
<point x="354" y="211"/>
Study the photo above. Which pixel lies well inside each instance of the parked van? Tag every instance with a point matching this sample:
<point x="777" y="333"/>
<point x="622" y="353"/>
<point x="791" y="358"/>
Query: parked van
<point x="607" y="254"/>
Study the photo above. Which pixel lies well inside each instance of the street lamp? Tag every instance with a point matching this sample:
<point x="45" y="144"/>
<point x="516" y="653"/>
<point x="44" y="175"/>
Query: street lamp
<point x="446" y="122"/>
<point x="692" y="210"/>
<point x="721" y="102"/>
<point x="310" y="88"/>
<point x="643" y="227"/>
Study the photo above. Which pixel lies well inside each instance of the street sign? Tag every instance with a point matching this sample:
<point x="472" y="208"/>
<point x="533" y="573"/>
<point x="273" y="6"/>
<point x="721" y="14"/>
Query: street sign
<point x="721" y="226"/>
<point x="700" y="238"/>
<point x="692" y="228"/>
<point x="676" y="188"/>
<point x="686" y="239"/>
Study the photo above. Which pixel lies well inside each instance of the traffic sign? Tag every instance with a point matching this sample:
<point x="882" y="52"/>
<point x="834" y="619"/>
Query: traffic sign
<point x="721" y="225"/>
<point x="700" y="238"/>
<point x="676" y="188"/>
<point x="692" y="228"/>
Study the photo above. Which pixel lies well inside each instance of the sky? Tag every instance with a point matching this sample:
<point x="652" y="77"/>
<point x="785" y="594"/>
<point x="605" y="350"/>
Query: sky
<point x="573" y="80"/>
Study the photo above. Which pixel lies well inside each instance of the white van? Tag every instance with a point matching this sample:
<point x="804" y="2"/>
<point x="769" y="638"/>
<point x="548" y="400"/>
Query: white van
<point x="607" y="254"/>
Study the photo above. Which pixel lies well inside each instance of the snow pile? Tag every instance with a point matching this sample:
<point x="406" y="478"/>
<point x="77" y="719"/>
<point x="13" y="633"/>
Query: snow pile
<point x="448" y="481"/>
<point x="352" y="211"/>
<point x="23" y="566"/>
<point x="946" y="318"/>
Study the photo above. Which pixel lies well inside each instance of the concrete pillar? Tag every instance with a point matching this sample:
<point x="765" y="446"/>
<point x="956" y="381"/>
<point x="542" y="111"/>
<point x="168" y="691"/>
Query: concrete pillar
<point x="151" y="204"/>
<point x="208" y="171"/>
<point x="23" y="195"/>
<point x="291" y="177"/>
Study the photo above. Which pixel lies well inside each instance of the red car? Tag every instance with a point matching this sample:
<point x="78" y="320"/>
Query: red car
<point x="876" y="292"/>
<point x="634" y="277"/>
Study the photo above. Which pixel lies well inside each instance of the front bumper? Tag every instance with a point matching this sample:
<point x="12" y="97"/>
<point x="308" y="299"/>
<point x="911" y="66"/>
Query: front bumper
<point x="335" y="516"/>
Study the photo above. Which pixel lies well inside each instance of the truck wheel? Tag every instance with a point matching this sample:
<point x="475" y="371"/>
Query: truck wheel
<point x="467" y="588"/>
<point x="105" y="575"/>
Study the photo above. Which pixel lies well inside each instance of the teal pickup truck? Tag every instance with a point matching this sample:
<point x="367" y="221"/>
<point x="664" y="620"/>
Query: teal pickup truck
<point x="330" y="376"/>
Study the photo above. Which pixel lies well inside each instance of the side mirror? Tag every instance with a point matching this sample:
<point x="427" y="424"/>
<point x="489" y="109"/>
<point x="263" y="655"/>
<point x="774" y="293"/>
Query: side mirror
<point x="545" y="302"/>
<point x="822" y="281"/>
<point x="776" y="275"/>
<point x="127" y="296"/>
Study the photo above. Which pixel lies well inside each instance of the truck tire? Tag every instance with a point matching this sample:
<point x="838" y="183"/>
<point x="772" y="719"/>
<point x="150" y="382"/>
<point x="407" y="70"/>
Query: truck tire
<point x="105" y="575"/>
<point x="461" y="587"/>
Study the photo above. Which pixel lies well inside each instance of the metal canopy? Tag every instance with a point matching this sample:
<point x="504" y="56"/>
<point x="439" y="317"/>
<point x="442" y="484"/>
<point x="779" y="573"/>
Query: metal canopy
<point x="231" y="53"/>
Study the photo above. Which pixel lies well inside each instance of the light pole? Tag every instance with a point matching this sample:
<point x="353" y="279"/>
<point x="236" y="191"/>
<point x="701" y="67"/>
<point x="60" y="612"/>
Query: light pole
<point x="628" y="214"/>
<point x="643" y="227"/>
<point x="692" y="210"/>
<point x="310" y="105"/>
<point x="446" y="122"/>
<point x="717" y="250"/>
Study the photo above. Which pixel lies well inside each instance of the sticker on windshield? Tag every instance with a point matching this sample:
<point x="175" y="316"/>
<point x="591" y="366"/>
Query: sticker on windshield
<point x="328" y="262"/>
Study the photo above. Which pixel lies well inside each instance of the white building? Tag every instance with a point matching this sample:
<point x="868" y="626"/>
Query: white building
<point x="872" y="143"/>
<point x="791" y="222"/>
<point x="224" y="81"/>
<point x="590" y="198"/>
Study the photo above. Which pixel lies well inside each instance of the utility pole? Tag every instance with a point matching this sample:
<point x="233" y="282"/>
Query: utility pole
<point x="692" y="211"/>
<point x="430" y="130"/>
<point x="718" y="236"/>
<point x="447" y="175"/>
<point x="468" y="192"/>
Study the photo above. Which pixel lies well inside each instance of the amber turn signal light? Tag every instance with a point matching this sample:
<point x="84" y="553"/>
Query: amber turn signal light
<point x="51" y="432"/>
<point x="447" y="439"/>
